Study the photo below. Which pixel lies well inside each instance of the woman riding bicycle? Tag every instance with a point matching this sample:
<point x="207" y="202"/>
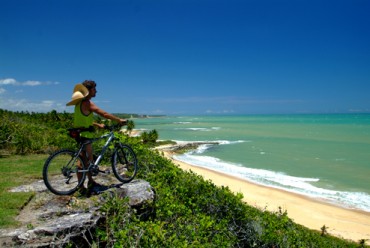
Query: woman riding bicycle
<point x="84" y="117"/>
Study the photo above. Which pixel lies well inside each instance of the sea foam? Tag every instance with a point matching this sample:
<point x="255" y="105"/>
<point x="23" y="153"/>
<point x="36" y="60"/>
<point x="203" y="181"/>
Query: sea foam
<point x="279" y="180"/>
<point x="202" y="129"/>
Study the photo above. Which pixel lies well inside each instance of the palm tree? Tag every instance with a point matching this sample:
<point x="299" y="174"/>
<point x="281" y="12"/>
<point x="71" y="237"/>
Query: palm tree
<point x="153" y="136"/>
<point x="130" y="126"/>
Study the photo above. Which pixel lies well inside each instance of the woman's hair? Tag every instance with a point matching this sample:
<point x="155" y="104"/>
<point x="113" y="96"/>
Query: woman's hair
<point x="89" y="84"/>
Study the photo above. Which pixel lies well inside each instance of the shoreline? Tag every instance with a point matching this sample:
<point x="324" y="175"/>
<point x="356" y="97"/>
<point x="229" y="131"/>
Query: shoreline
<point x="312" y="213"/>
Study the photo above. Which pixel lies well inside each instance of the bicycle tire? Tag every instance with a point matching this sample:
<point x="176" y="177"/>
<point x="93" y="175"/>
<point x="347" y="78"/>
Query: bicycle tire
<point x="124" y="163"/>
<point x="60" y="172"/>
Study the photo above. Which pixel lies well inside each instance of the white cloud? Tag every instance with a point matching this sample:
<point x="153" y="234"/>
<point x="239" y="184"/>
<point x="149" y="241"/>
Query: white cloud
<point x="157" y="112"/>
<point x="8" y="81"/>
<point x="31" y="106"/>
<point x="12" y="81"/>
<point x="48" y="102"/>
<point x="10" y="102"/>
<point x="359" y="110"/>
<point x="32" y="83"/>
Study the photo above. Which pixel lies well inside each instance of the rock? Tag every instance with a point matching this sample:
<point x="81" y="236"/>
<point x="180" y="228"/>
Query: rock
<point x="182" y="147"/>
<point x="49" y="220"/>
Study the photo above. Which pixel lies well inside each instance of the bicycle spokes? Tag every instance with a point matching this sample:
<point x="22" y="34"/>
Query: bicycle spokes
<point x="65" y="170"/>
<point x="124" y="163"/>
<point x="61" y="172"/>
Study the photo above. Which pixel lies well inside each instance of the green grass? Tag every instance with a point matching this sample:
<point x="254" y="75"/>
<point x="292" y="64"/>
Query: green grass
<point x="16" y="171"/>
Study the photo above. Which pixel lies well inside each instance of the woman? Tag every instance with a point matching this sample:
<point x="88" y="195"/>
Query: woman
<point x="84" y="117"/>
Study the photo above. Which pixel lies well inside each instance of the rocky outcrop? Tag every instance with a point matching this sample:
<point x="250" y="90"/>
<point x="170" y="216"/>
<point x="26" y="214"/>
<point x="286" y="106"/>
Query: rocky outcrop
<point x="185" y="146"/>
<point x="53" y="221"/>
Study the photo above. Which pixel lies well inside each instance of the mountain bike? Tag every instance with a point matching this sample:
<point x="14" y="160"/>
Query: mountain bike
<point x="65" y="170"/>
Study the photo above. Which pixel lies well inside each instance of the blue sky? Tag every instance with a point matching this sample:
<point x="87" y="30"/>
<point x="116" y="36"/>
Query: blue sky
<point x="184" y="57"/>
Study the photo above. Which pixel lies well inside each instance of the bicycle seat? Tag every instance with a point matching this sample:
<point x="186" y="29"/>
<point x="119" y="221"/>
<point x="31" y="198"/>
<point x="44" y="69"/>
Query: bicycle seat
<point x="76" y="131"/>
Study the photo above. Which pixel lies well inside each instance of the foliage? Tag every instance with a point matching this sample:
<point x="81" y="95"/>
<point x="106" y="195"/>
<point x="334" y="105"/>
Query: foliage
<point x="25" y="133"/>
<point x="130" y="125"/>
<point x="149" y="138"/>
<point x="193" y="212"/>
<point x="188" y="211"/>
<point x="164" y="142"/>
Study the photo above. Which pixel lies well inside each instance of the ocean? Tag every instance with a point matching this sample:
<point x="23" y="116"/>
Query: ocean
<point x="326" y="157"/>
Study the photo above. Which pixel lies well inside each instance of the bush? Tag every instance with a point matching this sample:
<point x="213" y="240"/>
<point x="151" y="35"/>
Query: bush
<point x="25" y="133"/>
<point x="149" y="138"/>
<point x="193" y="212"/>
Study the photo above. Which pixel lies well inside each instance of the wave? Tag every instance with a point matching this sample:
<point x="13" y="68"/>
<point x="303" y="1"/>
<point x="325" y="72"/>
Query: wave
<point x="182" y="122"/>
<point x="228" y="142"/>
<point x="203" y="129"/>
<point x="209" y="143"/>
<point x="278" y="180"/>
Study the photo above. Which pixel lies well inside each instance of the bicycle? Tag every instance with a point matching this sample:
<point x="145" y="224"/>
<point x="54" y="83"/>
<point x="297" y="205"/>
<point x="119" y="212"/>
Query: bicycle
<point x="61" y="168"/>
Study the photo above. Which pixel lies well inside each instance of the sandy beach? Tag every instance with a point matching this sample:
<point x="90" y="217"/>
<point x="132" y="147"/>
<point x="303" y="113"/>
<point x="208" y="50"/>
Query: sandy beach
<point x="312" y="213"/>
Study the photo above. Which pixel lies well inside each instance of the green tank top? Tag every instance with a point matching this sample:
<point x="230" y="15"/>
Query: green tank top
<point x="82" y="120"/>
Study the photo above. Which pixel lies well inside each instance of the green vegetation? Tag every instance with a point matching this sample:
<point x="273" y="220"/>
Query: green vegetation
<point x="149" y="138"/>
<point x="193" y="212"/>
<point x="188" y="211"/>
<point x="30" y="133"/>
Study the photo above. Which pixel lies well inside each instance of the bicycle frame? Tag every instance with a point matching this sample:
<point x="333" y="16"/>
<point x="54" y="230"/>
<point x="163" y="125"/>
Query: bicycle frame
<point x="62" y="172"/>
<point x="110" y="137"/>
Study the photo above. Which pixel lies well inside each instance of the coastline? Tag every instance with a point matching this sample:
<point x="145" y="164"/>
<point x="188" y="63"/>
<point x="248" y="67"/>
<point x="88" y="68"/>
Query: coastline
<point x="312" y="213"/>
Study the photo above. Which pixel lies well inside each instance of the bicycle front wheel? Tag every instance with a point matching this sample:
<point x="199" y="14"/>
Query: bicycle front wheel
<point x="62" y="174"/>
<point x="124" y="163"/>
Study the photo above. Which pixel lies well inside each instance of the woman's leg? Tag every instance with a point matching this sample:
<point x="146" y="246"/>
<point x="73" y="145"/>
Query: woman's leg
<point x="90" y="159"/>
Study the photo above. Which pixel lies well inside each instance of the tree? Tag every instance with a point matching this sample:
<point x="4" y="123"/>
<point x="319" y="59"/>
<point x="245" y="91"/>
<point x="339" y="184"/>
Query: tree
<point x="149" y="138"/>
<point x="130" y="126"/>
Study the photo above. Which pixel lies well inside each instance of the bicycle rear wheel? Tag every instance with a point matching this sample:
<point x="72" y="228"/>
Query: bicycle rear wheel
<point x="60" y="172"/>
<point x="124" y="163"/>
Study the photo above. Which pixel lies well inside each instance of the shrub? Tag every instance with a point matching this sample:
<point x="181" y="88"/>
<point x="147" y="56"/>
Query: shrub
<point x="193" y="212"/>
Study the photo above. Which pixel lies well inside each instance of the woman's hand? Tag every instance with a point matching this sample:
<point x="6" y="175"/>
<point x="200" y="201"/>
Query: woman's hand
<point x="99" y="125"/>
<point x="122" y="122"/>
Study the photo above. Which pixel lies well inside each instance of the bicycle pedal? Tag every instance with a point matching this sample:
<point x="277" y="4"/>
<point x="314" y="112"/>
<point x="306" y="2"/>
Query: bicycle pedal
<point x="107" y="171"/>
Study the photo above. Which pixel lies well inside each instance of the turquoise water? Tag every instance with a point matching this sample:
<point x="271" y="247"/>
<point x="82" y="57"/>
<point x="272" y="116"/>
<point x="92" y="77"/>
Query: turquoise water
<point x="321" y="156"/>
